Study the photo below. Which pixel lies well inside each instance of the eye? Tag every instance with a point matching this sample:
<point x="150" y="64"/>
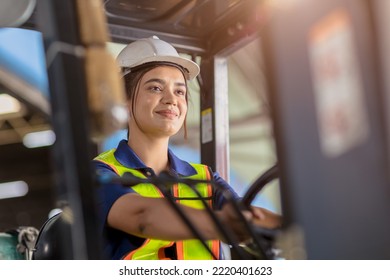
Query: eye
<point x="155" y="89"/>
<point x="181" y="92"/>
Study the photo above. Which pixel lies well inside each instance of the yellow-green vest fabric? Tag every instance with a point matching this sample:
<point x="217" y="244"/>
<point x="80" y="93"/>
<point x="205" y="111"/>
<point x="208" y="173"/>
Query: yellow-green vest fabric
<point x="153" y="249"/>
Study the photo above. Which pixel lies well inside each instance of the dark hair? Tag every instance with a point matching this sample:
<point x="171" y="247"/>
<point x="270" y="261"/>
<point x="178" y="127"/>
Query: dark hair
<point x="133" y="78"/>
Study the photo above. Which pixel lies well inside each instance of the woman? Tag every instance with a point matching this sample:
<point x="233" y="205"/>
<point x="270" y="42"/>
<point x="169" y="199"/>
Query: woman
<point x="137" y="222"/>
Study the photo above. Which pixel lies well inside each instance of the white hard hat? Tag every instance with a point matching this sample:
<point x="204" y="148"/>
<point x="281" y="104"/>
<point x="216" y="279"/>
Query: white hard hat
<point x="153" y="49"/>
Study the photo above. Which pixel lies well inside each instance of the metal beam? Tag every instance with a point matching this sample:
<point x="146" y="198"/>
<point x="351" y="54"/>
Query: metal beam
<point x="73" y="149"/>
<point x="215" y="119"/>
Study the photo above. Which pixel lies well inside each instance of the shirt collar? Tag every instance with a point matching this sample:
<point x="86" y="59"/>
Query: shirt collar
<point x="127" y="157"/>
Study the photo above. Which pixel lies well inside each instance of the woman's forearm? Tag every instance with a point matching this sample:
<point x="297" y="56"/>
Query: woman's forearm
<point x="155" y="218"/>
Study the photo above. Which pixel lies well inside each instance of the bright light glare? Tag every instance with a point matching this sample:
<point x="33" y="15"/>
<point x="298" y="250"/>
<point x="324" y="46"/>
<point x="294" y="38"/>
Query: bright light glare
<point x="39" y="139"/>
<point x="119" y="113"/>
<point x="282" y="4"/>
<point x="54" y="212"/>
<point x="13" y="189"/>
<point x="8" y="104"/>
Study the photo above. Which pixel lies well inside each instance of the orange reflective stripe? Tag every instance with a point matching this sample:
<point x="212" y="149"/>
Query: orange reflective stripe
<point x="215" y="248"/>
<point x="209" y="187"/>
<point x="179" y="250"/>
<point x="110" y="165"/>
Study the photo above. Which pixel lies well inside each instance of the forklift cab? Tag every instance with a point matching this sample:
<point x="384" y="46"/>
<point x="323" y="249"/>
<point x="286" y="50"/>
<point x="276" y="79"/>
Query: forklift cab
<point x="323" y="74"/>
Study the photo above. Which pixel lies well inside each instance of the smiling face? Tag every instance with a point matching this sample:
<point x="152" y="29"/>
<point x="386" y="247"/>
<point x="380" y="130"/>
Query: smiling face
<point x="160" y="103"/>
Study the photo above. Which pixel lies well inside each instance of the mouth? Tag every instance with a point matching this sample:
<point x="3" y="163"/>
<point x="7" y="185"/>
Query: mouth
<point x="170" y="114"/>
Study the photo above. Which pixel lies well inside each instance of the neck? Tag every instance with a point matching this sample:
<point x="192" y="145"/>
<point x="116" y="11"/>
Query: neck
<point x="153" y="152"/>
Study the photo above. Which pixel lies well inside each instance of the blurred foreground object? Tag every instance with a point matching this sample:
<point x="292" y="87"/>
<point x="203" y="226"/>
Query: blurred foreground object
<point x="15" y="13"/>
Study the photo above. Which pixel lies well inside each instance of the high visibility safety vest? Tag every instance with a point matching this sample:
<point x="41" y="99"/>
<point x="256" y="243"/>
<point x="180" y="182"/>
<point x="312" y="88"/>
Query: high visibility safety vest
<point x="153" y="249"/>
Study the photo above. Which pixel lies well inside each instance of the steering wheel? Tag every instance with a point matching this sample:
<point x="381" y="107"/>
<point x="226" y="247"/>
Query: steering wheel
<point x="268" y="176"/>
<point x="261" y="244"/>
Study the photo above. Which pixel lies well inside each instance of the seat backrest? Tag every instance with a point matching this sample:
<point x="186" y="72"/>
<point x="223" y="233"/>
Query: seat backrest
<point x="49" y="243"/>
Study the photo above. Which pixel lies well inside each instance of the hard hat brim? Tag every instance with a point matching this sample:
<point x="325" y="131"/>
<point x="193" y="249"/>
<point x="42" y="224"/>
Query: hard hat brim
<point x="190" y="67"/>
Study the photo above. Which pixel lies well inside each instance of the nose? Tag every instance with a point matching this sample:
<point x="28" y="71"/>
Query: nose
<point x="169" y="97"/>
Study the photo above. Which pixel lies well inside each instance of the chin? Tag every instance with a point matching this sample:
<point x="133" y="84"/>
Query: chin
<point x="169" y="131"/>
